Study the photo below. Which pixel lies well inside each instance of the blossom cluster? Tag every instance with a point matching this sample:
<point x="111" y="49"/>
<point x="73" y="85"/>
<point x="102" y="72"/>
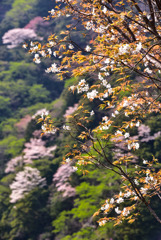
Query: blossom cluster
<point x="24" y="182"/>
<point x="146" y="182"/>
<point x="17" y="36"/>
<point x="42" y="112"/>
<point x="61" y="179"/>
<point x="13" y="163"/>
<point x="34" y="149"/>
<point x="82" y="86"/>
<point x="46" y="125"/>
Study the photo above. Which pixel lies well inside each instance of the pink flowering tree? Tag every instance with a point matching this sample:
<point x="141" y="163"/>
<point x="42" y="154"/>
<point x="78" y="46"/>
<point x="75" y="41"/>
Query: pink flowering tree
<point x="62" y="182"/>
<point x="24" y="182"/>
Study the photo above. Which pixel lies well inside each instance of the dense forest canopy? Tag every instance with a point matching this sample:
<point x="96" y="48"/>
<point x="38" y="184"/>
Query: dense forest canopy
<point x="80" y="158"/>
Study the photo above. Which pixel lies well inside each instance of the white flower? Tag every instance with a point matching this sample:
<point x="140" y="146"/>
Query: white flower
<point x="147" y="179"/>
<point x="53" y="131"/>
<point x="88" y="48"/>
<point x="24" y="46"/>
<point x="106" y="206"/>
<point x="120" y="200"/>
<point x="89" y="25"/>
<point x="136" y="198"/>
<point x="37" y="61"/>
<point x="65" y="127"/>
<point x="117" y="210"/>
<point x="49" y="51"/>
<point x="72" y="87"/>
<point x="129" y="146"/>
<point x="108" y="86"/>
<point x="67" y="160"/>
<point x="35" y="48"/>
<point x="54" y="68"/>
<point x="151" y="178"/>
<point x="136" y="182"/>
<point x="147" y="70"/>
<point x="104" y="10"/>
<point x="43" y="54"/>
<point x="104" y="82"/>
<point x="48" y="70"/>
<point x="71" y="46"/>
<point x="75" y="168"/>
<point x="136" y="145"/>
<point x="105" y="118"/>
<point x="81" y="162"/>
<point x="143" y="190"/>
<point x="82" y="82"/>
<point x="43" y="127"/>
<point x="44" y="113"/>
<point x="116" y="112"/>
<point x="118" y="132"/>
<point x="100" y="77"/>
<point x="92" y="113"/>
<point x="52" y="12"/>
<point x="82" y="86"/>
<point x="107" y="73"/>
<point x="102" y="223"/>
<point x="125" y="103"/>
<point x="92" y="95"/>
<point x="128" y="194"/>
<point x="105" y="95"/>
<point x="126" y="135"/>
<point x="145" y="162"/>
<point x="52" y="43"/>
<point x="138" y="47"/>
<point x="107" y="61"/>
<point x="120" y="193"/>
<point x="137" y="124"/>
<point x="125" y="212"/>
<point x="133" y="145"/>
<point x="112" y="201"/>
<point x="104" y="127"/>
<point x="110" y="91"/>
<point x="36" y="55"/>
<point x="124" y="49"/>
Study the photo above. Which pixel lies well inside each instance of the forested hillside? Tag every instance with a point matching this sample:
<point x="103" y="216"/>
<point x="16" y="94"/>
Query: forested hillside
<point x="41" y="198"/>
